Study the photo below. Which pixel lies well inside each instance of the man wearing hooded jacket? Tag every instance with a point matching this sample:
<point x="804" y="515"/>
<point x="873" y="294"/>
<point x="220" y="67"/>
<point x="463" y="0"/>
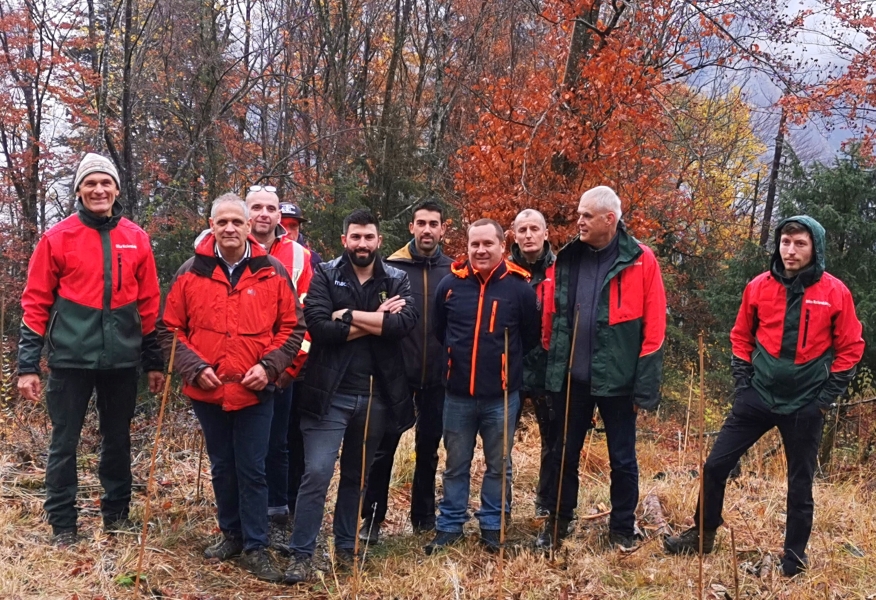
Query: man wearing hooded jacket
<point x="796" y="345"/>
<point x="98" y="317"/>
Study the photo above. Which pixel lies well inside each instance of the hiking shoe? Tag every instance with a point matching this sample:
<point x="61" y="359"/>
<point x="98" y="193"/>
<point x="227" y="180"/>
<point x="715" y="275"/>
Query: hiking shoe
<point x="626" y="542"/>
<point x="299" y="569"/>
<point x="689" y="542"/>
<point x="369" y="532"/>
<point x="278" y="534"/>
<point x="541" y="512"/>
<point x="121" y="525"/>
<point x="423" y="526"/>
<point x="64" y="538"/>
<point x="545" y="539"/>
<point x="259" y="564"/>
<point x="491" y="540"/>
<point x="224" y="549"/>
<point x="442" y="540"/>
<point x="345" y="558"/>
<point x="792" y="565"/>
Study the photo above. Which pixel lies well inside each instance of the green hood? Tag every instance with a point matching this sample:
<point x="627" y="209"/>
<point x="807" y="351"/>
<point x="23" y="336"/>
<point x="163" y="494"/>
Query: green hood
<point x="818" y="239"/>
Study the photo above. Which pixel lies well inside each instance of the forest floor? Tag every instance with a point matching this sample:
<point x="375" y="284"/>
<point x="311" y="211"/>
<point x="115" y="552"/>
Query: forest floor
<point x="841" y="550"/>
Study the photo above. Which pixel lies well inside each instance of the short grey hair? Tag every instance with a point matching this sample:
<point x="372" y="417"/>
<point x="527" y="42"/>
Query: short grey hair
<point x="605" y="199"/>
<point x="229" y="198"/>
<point x="529" y="213"/>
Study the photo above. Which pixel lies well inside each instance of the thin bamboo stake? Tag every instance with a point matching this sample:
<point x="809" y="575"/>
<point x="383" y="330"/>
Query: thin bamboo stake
<point x="702" y="461"/>
<point x="565" y="436"/>
<point x="504" y="469"/>
<point x="735" y="566"/>
<point x="362" y="487"/>
<point x="687" y="417"/>
<point x="147" y="510"/>
<point x="200" y="457"/>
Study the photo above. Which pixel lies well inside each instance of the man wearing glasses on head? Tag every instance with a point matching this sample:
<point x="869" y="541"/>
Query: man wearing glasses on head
<point x="264" y="217"/>
<point x="239" y="325"/>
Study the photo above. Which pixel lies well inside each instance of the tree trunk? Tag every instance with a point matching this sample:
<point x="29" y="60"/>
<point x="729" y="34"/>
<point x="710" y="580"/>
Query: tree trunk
<point x="774" y="179"/>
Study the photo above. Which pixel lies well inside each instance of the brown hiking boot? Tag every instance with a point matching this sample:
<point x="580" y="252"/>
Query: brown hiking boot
<point x="689" y="542"/>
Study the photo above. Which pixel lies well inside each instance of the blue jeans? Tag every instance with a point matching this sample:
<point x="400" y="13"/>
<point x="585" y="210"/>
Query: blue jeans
<point x="344" y="421"/>
<point x="237" y="443"/>
<point x="277" y="462"/>
<point x="464" y="418"/>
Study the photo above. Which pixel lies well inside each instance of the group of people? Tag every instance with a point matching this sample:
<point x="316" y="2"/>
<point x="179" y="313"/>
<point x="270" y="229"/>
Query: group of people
<point x="293" y="364"/>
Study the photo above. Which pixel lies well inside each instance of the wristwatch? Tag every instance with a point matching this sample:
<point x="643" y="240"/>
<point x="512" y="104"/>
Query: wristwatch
<point x="347" y="317"/>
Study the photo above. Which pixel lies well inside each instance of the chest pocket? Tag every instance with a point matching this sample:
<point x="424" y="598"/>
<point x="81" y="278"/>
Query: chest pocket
<point x="258" y="308"/>
<point x="626" y="294"/>
<point x="816" y="326"/>
<point x="125" y="282"/>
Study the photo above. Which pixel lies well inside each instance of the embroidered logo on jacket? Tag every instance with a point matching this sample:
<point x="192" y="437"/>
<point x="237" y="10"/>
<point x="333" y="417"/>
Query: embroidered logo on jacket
<point x="818" y="302"/>
<point x="342" y="283"/>
<point x="126" y="246"/>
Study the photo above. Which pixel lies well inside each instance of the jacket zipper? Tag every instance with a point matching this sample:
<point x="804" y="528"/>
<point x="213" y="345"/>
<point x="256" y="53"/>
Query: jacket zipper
<point x="619" y="288"/>
<point x="493" y="315"/>
<point x="806" y="328"/>
<point x="119" y="284"/>
<point x="49" y="330"/>
<point x="425" y="316"/>
<point x="474" y="348"/>
<point x="504" y="372"/>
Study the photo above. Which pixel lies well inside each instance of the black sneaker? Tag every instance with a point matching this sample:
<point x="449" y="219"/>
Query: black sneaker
<point x="64" y="538"/>
<point x="423" y="526"/>
<point x="545" y="539"/>
<point x="345" y="559"/>
<point x="541" y="512"/>
<point x="299" y="569"/>
<point x="626" y="542"/>
<point x="369" y="532"/>
<point x="224" y="549"/>
<point x="258" y="562"/>
<point x="442" y="540"/>
<point x="793" y="565"/>
<point x="689" y="542"/>
<point x="490" y="540"/>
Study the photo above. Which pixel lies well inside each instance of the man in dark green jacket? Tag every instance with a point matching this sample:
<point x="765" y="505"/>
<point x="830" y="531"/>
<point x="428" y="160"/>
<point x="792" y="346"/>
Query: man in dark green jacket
<point x="796" y="344"/>
<point x="532" y="251"/>
<point x="610" y="285"/>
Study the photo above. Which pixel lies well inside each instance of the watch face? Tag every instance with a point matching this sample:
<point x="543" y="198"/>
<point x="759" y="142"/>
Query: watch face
<point x="347" y="317"/>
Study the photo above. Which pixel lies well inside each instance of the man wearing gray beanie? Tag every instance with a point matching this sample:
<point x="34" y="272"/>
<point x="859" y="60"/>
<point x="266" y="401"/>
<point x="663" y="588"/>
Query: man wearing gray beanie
<point x="92" y="297"/>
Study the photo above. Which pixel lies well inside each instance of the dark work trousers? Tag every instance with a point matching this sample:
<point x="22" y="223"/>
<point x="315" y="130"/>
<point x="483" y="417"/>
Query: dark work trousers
<point x="429" y="403"/>
<point x="749" y="419"/>
<point x="546" y="416"/>
<point x="237" y="444"/>
<point x="344" y="422"/>
<point x="620" y="431"/>
<point x="277" y="462"/>
<point x="295" y="446"/>
<point x="68" y="393"/>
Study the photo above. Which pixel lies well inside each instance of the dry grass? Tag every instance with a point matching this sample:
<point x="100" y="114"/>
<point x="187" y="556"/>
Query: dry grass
<point x="397" y="568"/>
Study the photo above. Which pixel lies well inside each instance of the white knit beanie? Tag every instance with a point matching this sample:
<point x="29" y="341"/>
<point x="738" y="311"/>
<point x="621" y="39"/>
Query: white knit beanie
<point x="95" y="163"/>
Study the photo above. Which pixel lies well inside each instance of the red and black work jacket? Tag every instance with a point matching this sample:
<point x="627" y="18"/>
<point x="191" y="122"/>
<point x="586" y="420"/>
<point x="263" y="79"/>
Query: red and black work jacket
<point x="472" y="312"/>
<point x="231" y="329"/>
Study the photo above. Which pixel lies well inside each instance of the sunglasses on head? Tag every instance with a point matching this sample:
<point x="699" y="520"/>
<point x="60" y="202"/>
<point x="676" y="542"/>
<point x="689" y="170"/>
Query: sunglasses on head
<point x="259" y="188"/>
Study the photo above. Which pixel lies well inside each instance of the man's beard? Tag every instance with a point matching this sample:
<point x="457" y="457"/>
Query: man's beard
<point x="362" y="261"/>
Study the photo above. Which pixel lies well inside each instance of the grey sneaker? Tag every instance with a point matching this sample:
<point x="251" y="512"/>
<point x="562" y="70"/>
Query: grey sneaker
<point x="121" y="525"/>
<point x="278" y="534"/>
<point x="225" y="548"/>
<point x="299" y="569"/>
<point x="689" y="542"/>
<point x="259" y="564"/>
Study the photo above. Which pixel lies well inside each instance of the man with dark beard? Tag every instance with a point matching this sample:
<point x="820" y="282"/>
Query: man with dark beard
<point x="358" y="311"/>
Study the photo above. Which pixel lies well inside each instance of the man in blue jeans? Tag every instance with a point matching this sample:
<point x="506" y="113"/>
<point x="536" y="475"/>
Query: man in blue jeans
<point x="358" y="311"/>
<point x="475" y="305"/>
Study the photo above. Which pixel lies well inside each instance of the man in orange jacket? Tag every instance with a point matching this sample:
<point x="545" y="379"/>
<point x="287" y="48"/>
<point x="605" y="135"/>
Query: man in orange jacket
<point x="239" y="325"/>
<point x="264" y="216"/>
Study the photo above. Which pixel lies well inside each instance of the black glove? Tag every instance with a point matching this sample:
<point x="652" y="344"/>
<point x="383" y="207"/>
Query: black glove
<point x="743" y="371"/>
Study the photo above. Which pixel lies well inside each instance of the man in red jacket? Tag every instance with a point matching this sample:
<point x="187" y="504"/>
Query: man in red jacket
<point x="239" y="325"/>
<point x="796" y="344"/>
<point x="264" y="215"/>
<point x="92" y="294"/>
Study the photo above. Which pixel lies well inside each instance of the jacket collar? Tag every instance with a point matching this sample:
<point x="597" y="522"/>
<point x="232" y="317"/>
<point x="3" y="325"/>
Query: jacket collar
<point x="463" y="269"/>
<point x="542" y="263"/>
<point x="89" y="219"/>
<point x="627" y="246"/>
<point x="343" y="263"/>
<point x="206" y="260"/>
<point x="409" y="253"/>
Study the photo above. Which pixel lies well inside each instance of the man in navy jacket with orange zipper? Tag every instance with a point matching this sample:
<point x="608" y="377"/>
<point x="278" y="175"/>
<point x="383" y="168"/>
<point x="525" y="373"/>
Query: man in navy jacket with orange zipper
<point x="796" y="345"/>
<point x="474" y="306"/>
